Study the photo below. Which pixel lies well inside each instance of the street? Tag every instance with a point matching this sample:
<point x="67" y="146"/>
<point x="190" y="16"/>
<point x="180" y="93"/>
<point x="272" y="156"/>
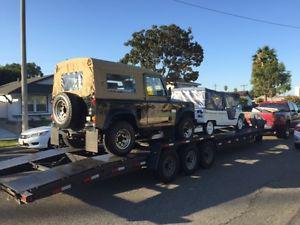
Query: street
<point x="253" y="184"/>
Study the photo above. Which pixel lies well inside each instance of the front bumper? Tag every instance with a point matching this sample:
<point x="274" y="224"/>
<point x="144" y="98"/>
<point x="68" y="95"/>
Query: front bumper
<point x="34" y="142"/>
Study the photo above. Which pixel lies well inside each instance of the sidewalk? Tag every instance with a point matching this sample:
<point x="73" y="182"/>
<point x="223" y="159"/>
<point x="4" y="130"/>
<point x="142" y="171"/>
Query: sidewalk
<point x="7" y="135"/>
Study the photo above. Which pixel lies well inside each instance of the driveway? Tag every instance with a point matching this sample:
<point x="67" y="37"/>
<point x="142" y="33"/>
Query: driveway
<point x="7" y="135"/>
<point x="256" y="184"/>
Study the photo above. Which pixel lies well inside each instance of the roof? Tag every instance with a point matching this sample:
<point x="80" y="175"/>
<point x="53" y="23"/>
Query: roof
<point x="15" y="87"/>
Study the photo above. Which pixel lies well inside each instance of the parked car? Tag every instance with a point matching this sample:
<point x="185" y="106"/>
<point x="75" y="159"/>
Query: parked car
<point x="280" y="116"/>
<point x="96" y="101"/>
<point x="36" y="138"/>
<point x="212" y="108"/>
<point x="297" y="136"/>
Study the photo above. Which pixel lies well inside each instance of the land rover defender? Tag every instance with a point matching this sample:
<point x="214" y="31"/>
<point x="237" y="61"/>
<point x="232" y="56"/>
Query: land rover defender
<point x="99" y="102"/>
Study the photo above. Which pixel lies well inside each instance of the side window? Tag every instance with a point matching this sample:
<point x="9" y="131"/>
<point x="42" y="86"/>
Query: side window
<point x="72" y="81"/>
<point x="214" y="101"/>
<point x="154" y="86"/>
<point x="291" y="107"/>
<point x="120" y="83"/>
<point x="296" y="107"/>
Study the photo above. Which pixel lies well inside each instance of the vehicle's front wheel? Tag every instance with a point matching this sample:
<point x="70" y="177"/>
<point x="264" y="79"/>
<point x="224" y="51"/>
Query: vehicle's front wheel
<point x="285" y="132"/>
<point x="119" y="138"/>
<point x="240" y="123"/>
<point x="185" y="128"/>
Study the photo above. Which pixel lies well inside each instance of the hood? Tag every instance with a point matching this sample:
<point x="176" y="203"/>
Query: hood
<point x="36" y="130"/>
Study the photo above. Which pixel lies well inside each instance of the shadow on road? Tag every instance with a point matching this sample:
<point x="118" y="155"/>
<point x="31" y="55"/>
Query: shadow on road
<point x="237" y="173"/>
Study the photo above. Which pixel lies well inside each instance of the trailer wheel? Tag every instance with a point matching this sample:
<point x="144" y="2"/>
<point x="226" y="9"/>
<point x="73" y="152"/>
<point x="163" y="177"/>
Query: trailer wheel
<point x="207" y="155"/>
<point x="168" y="166"/>
<point x="189" y="159"/>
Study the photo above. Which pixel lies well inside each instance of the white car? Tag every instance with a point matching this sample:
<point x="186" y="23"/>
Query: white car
<point x="297" y="136"/>
<point x="212" y="108"/>
<point x="37" y="138"/>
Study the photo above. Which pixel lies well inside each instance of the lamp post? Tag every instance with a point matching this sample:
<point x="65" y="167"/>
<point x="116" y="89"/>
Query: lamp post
<point x="23" y="68"/>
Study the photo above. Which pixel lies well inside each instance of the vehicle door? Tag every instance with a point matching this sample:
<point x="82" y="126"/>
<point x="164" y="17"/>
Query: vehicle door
<point x="296" y="114"/>
<point x="216" y="109"/>
<point x="293" y="114"/>
<point x="158" y="103"/>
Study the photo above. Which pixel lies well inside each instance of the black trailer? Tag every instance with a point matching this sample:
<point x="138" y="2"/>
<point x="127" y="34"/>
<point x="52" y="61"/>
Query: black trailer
<point x="34" y="176"/>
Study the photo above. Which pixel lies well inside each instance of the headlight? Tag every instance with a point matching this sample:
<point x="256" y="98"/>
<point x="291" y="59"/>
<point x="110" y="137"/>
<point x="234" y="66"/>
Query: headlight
<point x="39" y="134"/>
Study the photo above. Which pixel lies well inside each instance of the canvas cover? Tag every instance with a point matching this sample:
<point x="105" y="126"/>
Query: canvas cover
<point x="206" y="98"/>
<point x="94" y="73"/>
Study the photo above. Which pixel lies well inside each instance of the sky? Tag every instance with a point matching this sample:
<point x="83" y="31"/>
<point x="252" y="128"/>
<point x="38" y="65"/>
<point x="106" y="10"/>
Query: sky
<point x="59" y="30"/>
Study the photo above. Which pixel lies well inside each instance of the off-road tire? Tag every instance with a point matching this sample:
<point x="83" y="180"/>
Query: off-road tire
<point x="209" y="123"/>
<point x="241" y="119"/>
<point x="69" y="111"/>
<point x="185" y="128"/>
<point x="284" y="133"/>
<point x="114" y="133"/>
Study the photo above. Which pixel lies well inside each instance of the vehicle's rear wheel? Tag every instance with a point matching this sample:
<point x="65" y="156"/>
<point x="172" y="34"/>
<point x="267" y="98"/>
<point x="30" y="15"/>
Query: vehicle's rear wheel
<point x="209" y="127"/>
<point x="119" y="138"/>
<point x="189" y="159"/>
<point x="207" y="155"/>
<point x="185" y="128"/>
<point x="168" y="166"/>
<point x="240" y="123"/>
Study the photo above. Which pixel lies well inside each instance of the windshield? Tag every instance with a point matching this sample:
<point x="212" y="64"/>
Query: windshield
<point x="283" y="107"/>
<point x="72" y="81"/>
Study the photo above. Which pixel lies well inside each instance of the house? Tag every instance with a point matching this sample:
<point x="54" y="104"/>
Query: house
<point x="39" y="99"/>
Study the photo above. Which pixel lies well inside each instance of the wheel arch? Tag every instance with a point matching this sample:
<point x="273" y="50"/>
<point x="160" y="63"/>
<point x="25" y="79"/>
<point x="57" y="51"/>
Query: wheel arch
<point x="121" y="115"/>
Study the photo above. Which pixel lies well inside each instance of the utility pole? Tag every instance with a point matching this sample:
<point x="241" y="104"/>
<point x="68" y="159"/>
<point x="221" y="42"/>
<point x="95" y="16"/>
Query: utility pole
<point x="23" y="67"/>
<point x="215" y="87"/>
<point x="244" y="86"/>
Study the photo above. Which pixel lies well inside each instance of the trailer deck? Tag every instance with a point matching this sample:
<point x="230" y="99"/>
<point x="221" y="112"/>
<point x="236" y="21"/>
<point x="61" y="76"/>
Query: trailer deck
<point x="34" y="176"/>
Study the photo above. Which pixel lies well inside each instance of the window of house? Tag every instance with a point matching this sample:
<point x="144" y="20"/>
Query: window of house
<point x="37" y="104"/>
<point x="154" y="86"/>
<point x="120" y="83"/>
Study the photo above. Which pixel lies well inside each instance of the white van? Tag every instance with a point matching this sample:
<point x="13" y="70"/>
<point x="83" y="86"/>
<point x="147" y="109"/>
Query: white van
<point x="212" y="108"/>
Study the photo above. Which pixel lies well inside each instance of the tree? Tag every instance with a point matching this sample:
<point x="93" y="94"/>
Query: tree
<point x="225" y="88"/>
<point x="294" y="99"/>
<point x="269" y="76"/>
<point x="12" y="72"/>
<point x="235" y="90"/>
<point x="168" y="50"/>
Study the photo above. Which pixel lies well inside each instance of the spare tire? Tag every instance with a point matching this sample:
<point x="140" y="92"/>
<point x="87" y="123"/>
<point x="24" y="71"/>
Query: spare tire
<point x="69" y="111"/>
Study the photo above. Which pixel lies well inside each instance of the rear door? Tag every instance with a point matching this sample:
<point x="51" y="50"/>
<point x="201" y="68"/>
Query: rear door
<point x="158" y="104"/>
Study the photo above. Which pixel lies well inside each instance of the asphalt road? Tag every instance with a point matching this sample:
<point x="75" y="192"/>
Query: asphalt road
<point x="256" y="184"/>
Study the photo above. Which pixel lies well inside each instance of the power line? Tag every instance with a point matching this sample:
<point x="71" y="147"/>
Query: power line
<point x="236" y="15"/>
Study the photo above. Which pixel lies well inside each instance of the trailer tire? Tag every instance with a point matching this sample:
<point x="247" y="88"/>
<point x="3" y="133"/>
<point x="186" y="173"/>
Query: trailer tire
<point x="118" y="130"/>
<point x="189" y="159"/>
<point x="207" y="155"/>
<point x="168" y="166"/>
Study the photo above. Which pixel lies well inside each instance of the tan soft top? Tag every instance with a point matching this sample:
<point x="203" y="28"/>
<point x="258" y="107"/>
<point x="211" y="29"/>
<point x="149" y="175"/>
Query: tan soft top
<point x="94" y="77"/>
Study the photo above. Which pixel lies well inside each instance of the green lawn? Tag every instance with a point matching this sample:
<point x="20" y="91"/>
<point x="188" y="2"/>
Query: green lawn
<point x="8" y="143"/>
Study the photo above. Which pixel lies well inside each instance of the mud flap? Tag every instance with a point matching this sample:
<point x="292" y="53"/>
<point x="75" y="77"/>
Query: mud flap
<point x="91" y="140"/>
<point x="54" y="136"/>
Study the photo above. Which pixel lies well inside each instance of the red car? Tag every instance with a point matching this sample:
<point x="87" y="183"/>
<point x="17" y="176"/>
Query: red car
<point x="280" y="116"/>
